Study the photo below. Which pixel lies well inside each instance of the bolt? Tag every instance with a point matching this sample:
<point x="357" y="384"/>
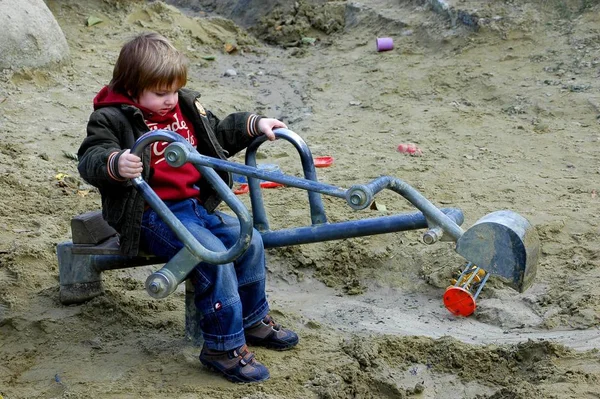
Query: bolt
<point x="430" y="237"/>
<point x="155" y="287"/>
<point x="355" y="199"/>
<point x="358" y="197"/>
<point x="171" y="156"/>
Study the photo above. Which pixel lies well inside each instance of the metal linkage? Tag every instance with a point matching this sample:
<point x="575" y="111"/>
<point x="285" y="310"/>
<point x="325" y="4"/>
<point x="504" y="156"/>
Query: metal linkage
<point x="357" y="197"/>
<point x="95" y="247"/>
<point x="502" y="242"/>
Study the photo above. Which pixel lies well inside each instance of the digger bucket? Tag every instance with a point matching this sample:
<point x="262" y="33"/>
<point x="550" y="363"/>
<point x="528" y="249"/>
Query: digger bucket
<point x="503" y="243"/>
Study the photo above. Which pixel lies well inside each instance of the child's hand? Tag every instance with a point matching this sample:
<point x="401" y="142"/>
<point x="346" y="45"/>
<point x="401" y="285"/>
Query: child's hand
<point x="130" y="165"/>
<point x="266" y="126"/>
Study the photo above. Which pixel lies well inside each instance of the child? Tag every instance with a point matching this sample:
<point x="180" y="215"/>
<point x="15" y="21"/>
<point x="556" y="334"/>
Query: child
<point x="146" y="93"/>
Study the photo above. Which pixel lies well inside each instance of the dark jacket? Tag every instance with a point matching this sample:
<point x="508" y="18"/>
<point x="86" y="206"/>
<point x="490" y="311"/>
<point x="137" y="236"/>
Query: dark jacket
<point x="117" y="127"/>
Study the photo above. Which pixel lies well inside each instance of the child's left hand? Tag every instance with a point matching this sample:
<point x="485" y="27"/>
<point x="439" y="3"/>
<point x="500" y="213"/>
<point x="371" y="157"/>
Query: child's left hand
<point x="266" y="126"/>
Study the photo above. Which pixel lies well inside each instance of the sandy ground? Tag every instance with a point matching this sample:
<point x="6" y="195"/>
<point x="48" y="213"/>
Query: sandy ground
<point x="506" y="118"/>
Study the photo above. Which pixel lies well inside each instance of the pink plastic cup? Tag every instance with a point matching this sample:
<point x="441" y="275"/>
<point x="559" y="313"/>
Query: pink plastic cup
<point x="385" y="44"/>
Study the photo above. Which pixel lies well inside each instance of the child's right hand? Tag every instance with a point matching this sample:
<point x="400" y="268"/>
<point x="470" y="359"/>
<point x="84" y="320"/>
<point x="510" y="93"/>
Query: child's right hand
<point x="130" y="165"/>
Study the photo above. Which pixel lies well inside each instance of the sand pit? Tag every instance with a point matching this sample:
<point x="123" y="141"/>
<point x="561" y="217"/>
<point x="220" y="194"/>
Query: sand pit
<point x="505" y="115"/>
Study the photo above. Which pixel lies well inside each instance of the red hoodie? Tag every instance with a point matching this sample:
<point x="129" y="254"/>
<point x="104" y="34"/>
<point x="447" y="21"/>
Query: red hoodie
<point x="168" y="182"/>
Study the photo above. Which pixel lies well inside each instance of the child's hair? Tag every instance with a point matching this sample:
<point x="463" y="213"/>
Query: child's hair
<point x="148" y="61"/>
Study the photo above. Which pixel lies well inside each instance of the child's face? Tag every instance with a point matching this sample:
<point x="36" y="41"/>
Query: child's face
<point x="159" y="100"/>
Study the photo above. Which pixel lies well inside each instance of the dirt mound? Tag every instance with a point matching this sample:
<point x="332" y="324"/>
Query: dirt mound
<point x="302" y="25"/>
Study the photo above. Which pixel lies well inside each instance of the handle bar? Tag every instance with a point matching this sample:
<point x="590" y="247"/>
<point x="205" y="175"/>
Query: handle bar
<point x="176" y="158"/>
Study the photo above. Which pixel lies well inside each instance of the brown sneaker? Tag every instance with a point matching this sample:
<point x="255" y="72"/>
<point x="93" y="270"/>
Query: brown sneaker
<point x="238" y="365"/>
<point x="268" y="334"/>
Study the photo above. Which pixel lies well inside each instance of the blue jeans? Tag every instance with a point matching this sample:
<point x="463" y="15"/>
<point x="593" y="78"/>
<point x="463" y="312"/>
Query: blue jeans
<point x="229" y="297"/>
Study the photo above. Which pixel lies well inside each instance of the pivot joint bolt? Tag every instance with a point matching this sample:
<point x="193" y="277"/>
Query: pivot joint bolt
<point x="160" y="284"/>
<point x="358" y="197"/>
<point x="176" y="154"/>
<point x="155" y="287"/>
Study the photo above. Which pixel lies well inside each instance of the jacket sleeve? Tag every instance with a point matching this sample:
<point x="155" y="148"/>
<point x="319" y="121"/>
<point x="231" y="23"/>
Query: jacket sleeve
<point x="99" y="153"/>
<point x="236" y="131"/>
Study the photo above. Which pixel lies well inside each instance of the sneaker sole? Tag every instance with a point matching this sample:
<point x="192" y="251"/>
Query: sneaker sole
<point x="232" y="378"/>
<point x="279" y="346"/>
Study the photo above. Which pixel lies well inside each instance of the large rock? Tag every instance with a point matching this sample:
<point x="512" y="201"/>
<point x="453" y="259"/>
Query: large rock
<point x="30" y="36"/>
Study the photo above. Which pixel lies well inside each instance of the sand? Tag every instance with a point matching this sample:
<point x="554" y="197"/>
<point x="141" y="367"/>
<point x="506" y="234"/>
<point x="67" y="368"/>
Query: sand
<point x="506" y="117"/>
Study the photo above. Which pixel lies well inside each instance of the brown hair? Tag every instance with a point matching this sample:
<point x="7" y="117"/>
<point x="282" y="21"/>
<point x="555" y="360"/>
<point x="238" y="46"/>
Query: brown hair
<point x="148" y="61"/>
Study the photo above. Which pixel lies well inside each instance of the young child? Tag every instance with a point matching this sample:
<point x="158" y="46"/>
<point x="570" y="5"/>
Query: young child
<point x="146" y="93"/>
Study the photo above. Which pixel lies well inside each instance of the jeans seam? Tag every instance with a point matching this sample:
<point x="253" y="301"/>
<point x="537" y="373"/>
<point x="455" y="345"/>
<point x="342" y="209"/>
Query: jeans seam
<point x="255" y="279"/>
<point x="226" y="304"/>
<point x="159" y="237"/>
<point x="252" y="281"/>
<point x="224" y="342"/>
<point x="257" y="315"/>
<point x="196" y="206"/>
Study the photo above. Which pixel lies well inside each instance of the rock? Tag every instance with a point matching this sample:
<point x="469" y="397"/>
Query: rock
<point x="30" y="35"/>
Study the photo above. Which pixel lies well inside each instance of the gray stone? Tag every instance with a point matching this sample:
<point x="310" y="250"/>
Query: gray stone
<point x="30" y="35"/>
